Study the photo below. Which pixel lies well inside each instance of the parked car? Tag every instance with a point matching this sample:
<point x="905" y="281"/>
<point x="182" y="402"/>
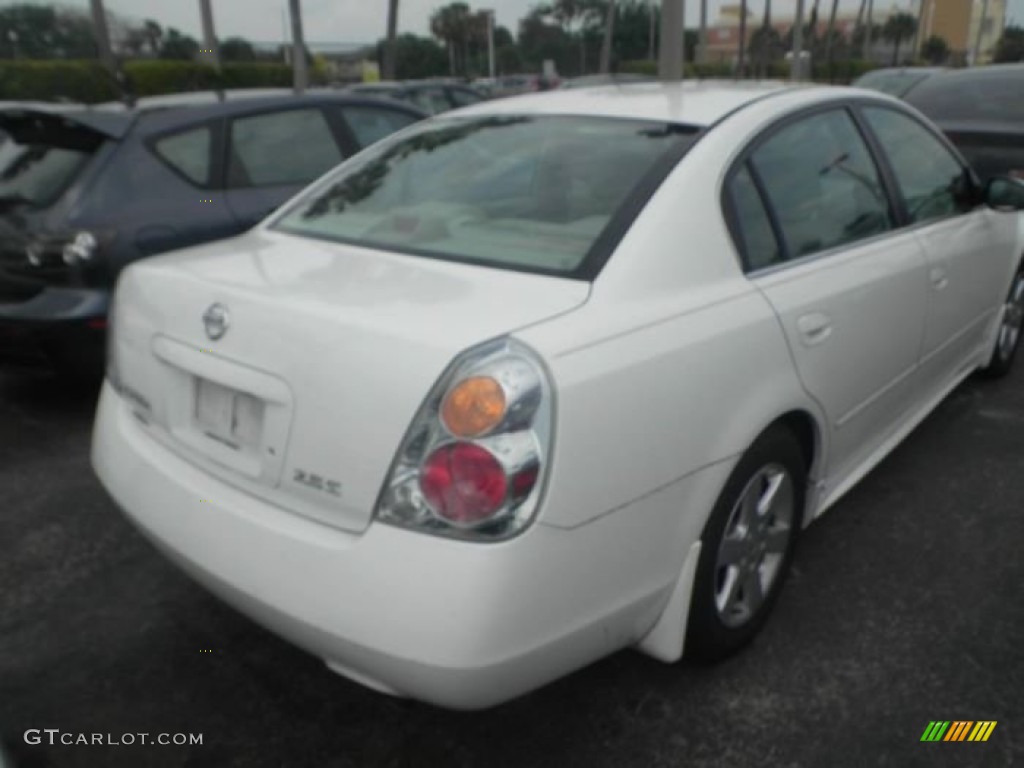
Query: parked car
<point x="85" y="192"/>
<point x="485" y="86"/>
<point x="896" y="81"/>
<point x="560" y="375"/>
<point x="514" y="85"/>
<point x="587" y="81"/>
<point x="982" y="110"/>
<point x="429" y="96"/>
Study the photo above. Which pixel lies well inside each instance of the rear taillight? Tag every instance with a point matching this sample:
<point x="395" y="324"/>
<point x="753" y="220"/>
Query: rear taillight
<point x="463" y="483"/>
<point x="473" y="460"/>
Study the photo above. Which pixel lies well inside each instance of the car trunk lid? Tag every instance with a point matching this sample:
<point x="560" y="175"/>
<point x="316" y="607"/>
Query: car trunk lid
<point x="326" y="353"/>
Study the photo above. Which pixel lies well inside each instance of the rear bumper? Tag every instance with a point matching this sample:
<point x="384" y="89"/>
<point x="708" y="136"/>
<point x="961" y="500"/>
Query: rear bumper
<point x="456" y="624"/>
<point x="59" y="327"/>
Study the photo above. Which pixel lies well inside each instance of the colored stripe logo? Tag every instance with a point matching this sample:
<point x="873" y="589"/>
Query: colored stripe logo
<point x="958" y="730"/>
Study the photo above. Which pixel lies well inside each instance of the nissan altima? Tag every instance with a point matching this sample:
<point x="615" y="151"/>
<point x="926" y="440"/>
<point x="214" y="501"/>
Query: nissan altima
<point x="548" y="377"/>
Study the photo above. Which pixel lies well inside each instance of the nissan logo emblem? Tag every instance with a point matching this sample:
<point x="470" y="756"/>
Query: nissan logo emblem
<point x="216" y="321"/>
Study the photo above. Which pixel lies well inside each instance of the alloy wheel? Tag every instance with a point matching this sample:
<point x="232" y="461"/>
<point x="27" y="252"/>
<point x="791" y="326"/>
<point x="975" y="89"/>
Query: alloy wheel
<point x="754" y="545"/>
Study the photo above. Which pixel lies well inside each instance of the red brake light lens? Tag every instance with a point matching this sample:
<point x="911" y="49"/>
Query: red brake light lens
<point x="463" y="483"/>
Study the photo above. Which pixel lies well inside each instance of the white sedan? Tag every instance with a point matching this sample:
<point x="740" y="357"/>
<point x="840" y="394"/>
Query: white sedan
<point x="549" y="377"/>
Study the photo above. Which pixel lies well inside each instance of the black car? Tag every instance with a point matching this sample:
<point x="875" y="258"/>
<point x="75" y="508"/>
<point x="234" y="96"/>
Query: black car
<point x="982" y="112"/>
<point x="432" y="97"/>
<point x="84" y="192"/>
<point x="896" y="81"/>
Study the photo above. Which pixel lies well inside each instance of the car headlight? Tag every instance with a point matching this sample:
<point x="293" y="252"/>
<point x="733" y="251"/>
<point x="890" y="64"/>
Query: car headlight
<point x="82" y="248"/>
<point x="473" y="462"/>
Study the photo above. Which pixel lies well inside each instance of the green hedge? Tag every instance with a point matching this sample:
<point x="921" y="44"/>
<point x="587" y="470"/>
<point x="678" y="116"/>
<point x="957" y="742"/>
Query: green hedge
<point x="87" y="81"/>
<point x="49" y="80"/>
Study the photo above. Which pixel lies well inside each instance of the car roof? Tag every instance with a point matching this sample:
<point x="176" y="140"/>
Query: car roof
<point x="980" y="73"/>
<point x="173" y="118"/>
<point x="903" y="70"/>
<point x="690" y="102"/>
<point x="195" y="98"/>
<point x="178" y="110"/>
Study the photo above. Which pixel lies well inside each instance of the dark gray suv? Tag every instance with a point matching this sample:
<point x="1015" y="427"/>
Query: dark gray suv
<point x="84" y="192"/>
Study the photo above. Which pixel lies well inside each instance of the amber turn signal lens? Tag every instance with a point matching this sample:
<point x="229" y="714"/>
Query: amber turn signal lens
<point x="474" y="407"/>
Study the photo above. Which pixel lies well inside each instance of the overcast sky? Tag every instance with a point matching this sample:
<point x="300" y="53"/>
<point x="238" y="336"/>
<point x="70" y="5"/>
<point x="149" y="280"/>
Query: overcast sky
<point x="362" y="21"/>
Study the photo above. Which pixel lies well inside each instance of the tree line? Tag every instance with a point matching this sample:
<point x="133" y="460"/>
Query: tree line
<point x="569" y="33"/>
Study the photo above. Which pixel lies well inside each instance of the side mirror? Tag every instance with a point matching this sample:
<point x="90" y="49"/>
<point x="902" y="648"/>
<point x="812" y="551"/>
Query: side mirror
<point x="1004" y="193"/>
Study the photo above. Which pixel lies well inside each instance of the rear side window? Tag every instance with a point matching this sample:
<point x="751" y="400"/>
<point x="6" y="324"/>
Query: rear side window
<point x="188" y="153"/>
<point x="751" y="223"/>
<point x="822" y="183"/>
<point x="927" y="173"/>
<point x="371" y="124"/>
<point x="289" y="147"/>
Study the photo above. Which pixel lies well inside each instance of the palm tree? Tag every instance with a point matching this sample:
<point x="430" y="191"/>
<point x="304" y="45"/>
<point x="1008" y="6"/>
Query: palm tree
<point x="741" y="62"/>
<point x="766" y="24"/>
<point x="898" y="28"/>
<point x="440" y="27"/>
<point x="389" y="46"/>
<point x="609" y="31"/>
<point x="154" y="34"/>
<point x="858" y="25"/>
<point x="828" y="37"/>
<point x="567" y="12"/>
<point x="452" y="25"/>
<point x="812" y="24"/>
<point x="702" y="41"/>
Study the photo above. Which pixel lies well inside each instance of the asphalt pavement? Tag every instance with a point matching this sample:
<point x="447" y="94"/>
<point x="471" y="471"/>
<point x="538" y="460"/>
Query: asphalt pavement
<point x="905" y="605"/>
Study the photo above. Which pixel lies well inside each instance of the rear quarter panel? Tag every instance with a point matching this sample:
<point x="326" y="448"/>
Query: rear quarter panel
<point x="676" y="362"/>
<point x="151" y="208"/>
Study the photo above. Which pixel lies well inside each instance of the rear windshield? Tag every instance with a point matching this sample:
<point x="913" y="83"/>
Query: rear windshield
<point x="527" y="193"/>
<point x="35" y="170"/>
<point x="986" y="95"/>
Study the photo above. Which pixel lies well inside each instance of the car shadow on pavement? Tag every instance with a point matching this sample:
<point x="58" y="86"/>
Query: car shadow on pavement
<point x="38" y="394"/>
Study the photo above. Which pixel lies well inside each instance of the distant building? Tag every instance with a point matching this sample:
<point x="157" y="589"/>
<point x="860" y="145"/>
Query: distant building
<point x="724" y="36"/>
<point x="957" y="21"/>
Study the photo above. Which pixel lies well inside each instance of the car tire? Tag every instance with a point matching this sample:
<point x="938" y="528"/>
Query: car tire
<point x="747" y="546"/>
<point x="1011" y="328"/>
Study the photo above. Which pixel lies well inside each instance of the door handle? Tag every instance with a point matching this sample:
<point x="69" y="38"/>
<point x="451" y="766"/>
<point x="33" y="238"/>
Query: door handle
<point x="938" y="277"/>
<point x="814" y="328"/>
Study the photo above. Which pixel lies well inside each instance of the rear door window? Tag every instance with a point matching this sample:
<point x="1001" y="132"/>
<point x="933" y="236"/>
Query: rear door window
<point x="752" y="226"/>
<point x="822" y="183"/>
<point x="291" y="146"/>
<point x="188" y="153"/>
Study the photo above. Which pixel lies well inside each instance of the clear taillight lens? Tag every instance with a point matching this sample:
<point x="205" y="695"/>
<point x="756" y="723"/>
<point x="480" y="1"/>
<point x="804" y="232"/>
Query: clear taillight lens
<point x="472" y="464"/>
